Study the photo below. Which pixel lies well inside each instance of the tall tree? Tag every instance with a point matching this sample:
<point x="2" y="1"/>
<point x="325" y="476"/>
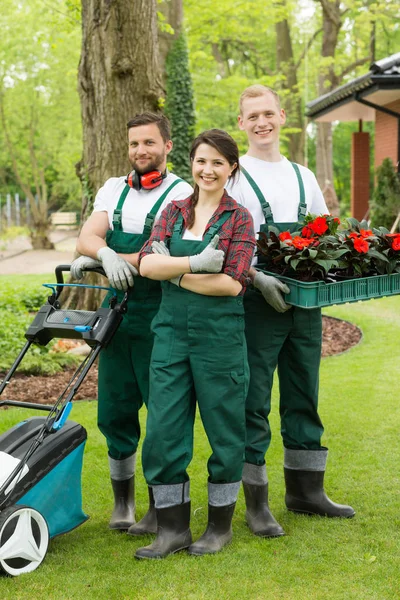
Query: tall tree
<point x="39" y="113"/>
<point x="170" y="21"/>
<point x="119" y="76"/>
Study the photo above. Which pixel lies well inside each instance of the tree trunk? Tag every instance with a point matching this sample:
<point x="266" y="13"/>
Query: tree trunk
<point x="172" y="12"/>
<point x="39" y="208"/>
<point x="292" y="103"/>
<point x="331" y="23"/>
<point x="119" y="76"/>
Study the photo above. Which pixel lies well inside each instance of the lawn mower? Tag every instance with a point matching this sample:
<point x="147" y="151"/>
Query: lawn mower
<point x="41" y="457"/>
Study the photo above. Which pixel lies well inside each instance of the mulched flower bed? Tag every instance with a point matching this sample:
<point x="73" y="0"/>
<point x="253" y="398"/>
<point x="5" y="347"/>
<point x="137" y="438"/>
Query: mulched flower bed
<point x="337" y="336"/>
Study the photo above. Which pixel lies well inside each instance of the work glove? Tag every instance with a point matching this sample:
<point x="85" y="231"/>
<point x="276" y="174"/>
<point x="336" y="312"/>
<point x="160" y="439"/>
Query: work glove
<point x="81" y="264"/>
<point x="209" y="260"/>
<point x="272" y="289"/>
<point x="120" y="273"/>
<point x="161" y="248"/>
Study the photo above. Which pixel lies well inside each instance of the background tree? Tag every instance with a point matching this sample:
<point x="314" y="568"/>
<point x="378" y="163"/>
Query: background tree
<point x="39" y="111"/>
<point x="385" y="206"/>
<point x="119" y="76"/>
<point x="179" y="107"/>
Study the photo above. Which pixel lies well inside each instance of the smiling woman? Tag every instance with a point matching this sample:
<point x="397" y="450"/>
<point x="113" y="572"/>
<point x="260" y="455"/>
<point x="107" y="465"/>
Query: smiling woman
<point x="201" y="248"/>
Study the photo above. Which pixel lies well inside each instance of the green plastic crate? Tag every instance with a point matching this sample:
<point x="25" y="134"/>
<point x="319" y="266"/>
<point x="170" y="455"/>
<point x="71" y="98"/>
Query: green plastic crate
<point x="314" y="294"/>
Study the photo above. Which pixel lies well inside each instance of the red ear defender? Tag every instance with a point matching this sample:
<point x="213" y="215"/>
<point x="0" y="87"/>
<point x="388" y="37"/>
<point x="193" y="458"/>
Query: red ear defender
<point x="133" y="180"/>
<point x="151" y="180"/>
<point x="148" y="181"/>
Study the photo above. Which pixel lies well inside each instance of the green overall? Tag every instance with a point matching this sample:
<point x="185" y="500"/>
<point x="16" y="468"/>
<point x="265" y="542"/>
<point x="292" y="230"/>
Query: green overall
<point x="124" y="364"/>
<point x="292" y="341"/>
<point x="199" y="354"/>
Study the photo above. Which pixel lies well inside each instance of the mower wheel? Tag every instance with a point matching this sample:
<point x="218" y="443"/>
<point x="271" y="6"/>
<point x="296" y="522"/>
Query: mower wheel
<point x="24" y="539"/>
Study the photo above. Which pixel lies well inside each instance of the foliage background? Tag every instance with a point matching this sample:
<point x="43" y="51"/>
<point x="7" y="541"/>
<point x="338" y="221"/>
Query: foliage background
<point x="231" y="44"/>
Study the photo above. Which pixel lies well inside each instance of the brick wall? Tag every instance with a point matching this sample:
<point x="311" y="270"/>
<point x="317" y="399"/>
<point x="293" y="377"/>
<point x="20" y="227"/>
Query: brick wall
<point x="359" y="174"/>
<point x="386" y="133"/>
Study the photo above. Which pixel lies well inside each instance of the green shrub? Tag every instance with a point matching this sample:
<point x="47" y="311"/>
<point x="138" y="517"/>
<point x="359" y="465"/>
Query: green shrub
<point x="17" y="303"/>
<point x="385" y="204"/>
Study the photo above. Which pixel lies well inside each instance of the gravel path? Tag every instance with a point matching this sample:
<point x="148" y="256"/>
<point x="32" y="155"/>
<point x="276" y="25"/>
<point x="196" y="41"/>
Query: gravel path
<point x="18" y="258"/>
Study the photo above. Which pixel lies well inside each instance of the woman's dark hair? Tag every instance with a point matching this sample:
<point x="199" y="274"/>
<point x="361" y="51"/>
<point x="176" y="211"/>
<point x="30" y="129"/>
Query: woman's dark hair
<point x="225" y="145"/>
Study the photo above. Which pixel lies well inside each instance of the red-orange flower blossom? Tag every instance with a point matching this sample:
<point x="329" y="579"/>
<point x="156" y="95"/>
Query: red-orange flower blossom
<point x="307" y="232"/>
<point x="360" y="245"/>
<point x="285" y="235"/>
<point x="319" y="225"/>
<point x="396" y="243"/>
<point x="300" y="243"/>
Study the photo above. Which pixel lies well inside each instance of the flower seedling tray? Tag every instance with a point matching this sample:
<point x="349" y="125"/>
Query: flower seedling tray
<point x="314" y="294"/>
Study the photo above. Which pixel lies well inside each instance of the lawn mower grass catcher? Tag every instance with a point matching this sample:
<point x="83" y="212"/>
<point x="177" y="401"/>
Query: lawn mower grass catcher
<point x="41" y="457"/>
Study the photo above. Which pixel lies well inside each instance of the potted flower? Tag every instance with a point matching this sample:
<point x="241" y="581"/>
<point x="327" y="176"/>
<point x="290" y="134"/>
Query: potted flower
<point x="321" y="254"/>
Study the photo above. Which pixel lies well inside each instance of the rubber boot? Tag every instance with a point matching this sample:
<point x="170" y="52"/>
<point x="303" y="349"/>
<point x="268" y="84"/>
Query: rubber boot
<point x="258" y="515"/>
<point x="148" y="524"/>
<point x="218" y="533"/>
<point x="173" y="532"/>
<point x="123" y="515"/>
<point x="304" y="478"/>
<point x="305" y="494"/>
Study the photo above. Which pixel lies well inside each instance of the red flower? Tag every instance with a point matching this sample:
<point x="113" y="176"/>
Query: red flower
<point x="396" y="243"/>
<point x="354" y="235"/>
<point x="319" y="225"/>
<point x="366" y="232"/>
<point x="300" y="243"/>
<point x="307" y="232"/>
<point x="360" y="245"/>
<point x="285" y="235"/>
<point x="336" y="220"/>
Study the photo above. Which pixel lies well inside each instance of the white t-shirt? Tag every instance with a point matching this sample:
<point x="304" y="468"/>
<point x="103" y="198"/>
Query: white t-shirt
<point x="280" y="188"/>
<point x="138" y="203"/>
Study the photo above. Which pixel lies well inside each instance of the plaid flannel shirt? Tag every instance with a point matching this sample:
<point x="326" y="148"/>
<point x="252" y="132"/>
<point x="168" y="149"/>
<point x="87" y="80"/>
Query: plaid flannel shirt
<point x="236" y="235"/>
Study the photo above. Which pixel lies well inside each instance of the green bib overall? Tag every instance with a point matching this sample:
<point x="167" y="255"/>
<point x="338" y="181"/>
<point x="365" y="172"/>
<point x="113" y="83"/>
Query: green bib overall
<point x="290" y="341"/>
<point x="199" y="354"/>
<point x="124" y="364"/>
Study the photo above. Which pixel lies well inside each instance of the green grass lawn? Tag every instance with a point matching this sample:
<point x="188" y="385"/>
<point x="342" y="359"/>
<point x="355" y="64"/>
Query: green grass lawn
<point x="318" y="559"/>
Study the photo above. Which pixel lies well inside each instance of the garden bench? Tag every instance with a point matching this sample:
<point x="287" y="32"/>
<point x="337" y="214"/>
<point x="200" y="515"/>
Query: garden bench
<point x="64" y="220"/>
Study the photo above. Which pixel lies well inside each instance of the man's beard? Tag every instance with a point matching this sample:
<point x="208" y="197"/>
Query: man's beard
<point x="154" y="165"/>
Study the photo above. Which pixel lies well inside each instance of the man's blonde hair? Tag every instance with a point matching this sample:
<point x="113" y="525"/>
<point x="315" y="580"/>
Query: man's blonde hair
<point x="255" y="91"/>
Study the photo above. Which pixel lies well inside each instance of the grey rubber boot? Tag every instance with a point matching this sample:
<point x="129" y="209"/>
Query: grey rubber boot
<point x="172" y="503"/>
<point x="304" y="478"/>
<point x="148" y="524"/>
<point x="221" y="506"/>
<point x="123" y="486"/>
<point x="218" y="533"/>
<point x="258" y="515"/>
<point x="173" y="532"/>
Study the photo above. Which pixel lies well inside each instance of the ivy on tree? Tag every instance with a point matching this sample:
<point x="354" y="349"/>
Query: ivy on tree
<point x="386" y="199"/>
<point x="179" y="106"/>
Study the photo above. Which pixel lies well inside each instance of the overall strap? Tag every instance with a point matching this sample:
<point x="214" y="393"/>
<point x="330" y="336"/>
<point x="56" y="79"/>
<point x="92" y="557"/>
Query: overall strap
<point x="117" y="215"/>
<point x="265" y="207"/>
<point x="150" y="217"/>
<point x="179" y="224"/>
<point x="217" y="226"/>
<point x="149" y="221"/>
<point x="302" y="204"/>
<point x="178" y="227"/>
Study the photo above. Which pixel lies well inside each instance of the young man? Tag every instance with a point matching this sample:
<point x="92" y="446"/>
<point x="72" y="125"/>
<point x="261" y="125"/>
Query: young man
<point x="280" y="193"/>
<point x="124" y="212"/>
